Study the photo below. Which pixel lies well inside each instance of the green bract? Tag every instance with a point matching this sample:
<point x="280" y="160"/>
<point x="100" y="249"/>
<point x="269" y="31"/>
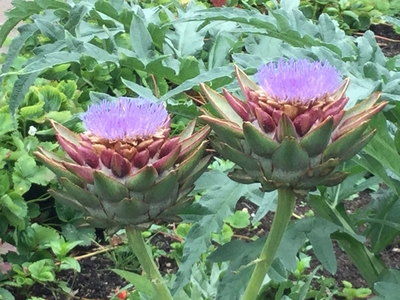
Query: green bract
<point x="131" y="181"/>
<point x="288" y="143"/>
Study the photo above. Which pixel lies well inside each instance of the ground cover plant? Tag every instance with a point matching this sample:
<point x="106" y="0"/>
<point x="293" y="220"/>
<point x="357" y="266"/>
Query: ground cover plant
<point x="173" y="120"/>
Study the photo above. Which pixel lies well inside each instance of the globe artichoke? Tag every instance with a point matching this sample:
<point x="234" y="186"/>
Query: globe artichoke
<point x="292" y="131"/>
<point x="124" y="169"/>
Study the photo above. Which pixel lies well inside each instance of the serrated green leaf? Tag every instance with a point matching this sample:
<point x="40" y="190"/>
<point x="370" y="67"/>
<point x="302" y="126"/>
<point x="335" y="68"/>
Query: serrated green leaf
<point x="85" y="236"/>
<point x="13" y="203"/>
<point x="371" y="71"/>
<point x="6" y="295"/>
<point x="99" y="54"/>
<point x="42" y="176"/>
<point x="182" y="45"/>
<point x="302" y="293"/>
<point x="59" y="116"/>
<point x="221" y="72"/>
<point x="140" y="90"/>
<point x="44" y="235"/>
<point x="384" y="224"/>
<point x="4" y="181"/>
<point x="141" y="40"/>
<point x="189" y="68"/>
<point x="27" y="172"/>
<point x="53" y="31"/>
<point x="188" y="109"/>
<point x="52" y="98"/>
<point x="387" y="286"/>
<point x="22" y="10"/>
<point x="32" y="111"/>
<point x="42" y="270"/>
<point x="68" y="88"/>
<point x="49" y="60"/>
<point x="375" y="167"/>
<point x="239" y="219"/>
<point x="257" y="45"/>
<point x="183" y="229"/>
<point x="141" y="283"/>
<point x="26" y="31"/>
<point x="219" y="200"/>
<point x="97" y="97"/>
<point x="364" y="50"/>
<point x="70" y="263"/>
<point x="113" y="10"/>
<point x="61" y="248"/>
<point x="4" y="153"/>
<point x="319" y="236"/>
<point x="367" y="263"/>
<point x="219" y="52"/>
<point x="382" y="146"/>
<point x="287" y="5"/>
<point x="7" y="124"/>
<point x="241" y="254"/>
<point x="76" y="16"/>
<point x="274" y="25"/>
<point x="68" y="215"/>
<point x="20" y="89"/>
<point x="224" y="236"/>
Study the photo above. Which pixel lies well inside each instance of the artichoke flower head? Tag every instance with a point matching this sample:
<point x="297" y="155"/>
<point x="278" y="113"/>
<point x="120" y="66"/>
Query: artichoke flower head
<point x="292" y="130"/>
<point x="124" y="169"/>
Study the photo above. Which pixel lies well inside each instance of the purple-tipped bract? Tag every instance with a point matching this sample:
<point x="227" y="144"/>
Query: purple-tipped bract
<point x="292" y="130"/>
<point x="125" y="169"/>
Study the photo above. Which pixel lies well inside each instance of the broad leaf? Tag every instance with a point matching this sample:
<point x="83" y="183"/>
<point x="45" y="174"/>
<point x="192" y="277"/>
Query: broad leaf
<point x="21" y="87"/>
<point x="219" y="199"/>
<point x="141" y="283"/>
<point x="140" y="90"/>
<point x="388" y="285"/>
<point x="318" y="231"/>
<point x="382" y="146"/>
<point x="217" y="73"/>
<point x="84" y="235"/>
<point x="26" y="31"/>
<point x="141" y="40"/>
<point x="44" y="235"/>
<point x="42" y="270"/>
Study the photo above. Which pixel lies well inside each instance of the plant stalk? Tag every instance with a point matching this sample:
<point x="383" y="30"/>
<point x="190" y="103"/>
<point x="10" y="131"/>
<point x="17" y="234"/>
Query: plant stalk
<point x="284" y="210"/>
<point x="143" y="253"/>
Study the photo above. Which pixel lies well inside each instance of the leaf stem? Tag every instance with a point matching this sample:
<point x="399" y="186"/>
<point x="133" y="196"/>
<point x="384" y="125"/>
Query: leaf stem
<point x="143" y="253"/>
<point x="284" y="210"/>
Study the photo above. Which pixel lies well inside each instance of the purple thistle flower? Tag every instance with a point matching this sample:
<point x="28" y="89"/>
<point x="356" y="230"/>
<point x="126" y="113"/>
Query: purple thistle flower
<point x="298" y="81"/>
<point x="127" y="118"/>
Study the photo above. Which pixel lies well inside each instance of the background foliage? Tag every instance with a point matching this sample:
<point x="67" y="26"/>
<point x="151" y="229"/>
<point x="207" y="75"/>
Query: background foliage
<point x="73" y="53"/>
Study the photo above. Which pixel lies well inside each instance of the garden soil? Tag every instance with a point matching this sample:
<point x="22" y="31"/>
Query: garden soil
<point x="97" y="281"/>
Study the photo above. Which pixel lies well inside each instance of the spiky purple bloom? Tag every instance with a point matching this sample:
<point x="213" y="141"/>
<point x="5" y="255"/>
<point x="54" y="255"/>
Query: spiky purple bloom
<point x="298" y="81"/>
<point x="127" y="118"/>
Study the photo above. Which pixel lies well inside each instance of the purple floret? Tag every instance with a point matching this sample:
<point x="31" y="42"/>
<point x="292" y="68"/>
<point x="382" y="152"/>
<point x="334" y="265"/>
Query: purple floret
<point x="127" y="118"/>
<point x="298" y="81"/>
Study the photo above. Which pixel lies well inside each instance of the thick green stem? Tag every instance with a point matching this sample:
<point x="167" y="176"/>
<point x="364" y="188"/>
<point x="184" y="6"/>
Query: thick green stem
<point x="284" y="210"/>
<point x="143" y="253"/>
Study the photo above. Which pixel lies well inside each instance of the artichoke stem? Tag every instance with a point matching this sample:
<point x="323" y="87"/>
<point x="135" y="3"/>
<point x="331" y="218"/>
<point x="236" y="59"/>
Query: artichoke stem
<point x="143" y="254"/>
<point x="284" y="210"/>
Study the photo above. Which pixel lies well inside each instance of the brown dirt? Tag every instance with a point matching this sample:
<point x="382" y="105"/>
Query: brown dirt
<point x="387" y="38"/>
<point x="96" y="281"/>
